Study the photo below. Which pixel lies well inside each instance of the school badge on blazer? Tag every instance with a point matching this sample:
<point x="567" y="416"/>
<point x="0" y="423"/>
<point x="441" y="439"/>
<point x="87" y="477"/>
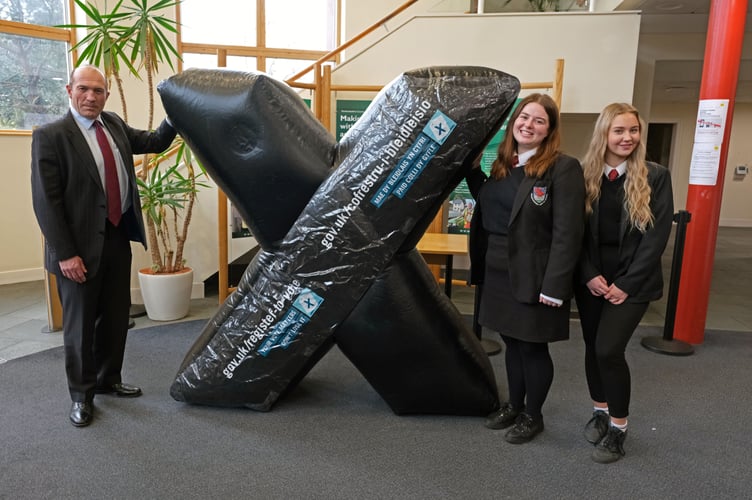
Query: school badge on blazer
<point x="539" y="195"/>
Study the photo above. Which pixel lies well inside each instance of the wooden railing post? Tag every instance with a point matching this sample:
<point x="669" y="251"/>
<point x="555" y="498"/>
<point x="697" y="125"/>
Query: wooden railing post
<point x="558" y="82"/>
<point x="326" y="97"/>
<point x="223" y="272"/>
<point x="54" y="307"/>
<point x="317" y="93"/>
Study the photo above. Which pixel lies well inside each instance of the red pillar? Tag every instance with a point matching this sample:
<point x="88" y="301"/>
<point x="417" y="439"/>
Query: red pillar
<point x="720" y="72"/>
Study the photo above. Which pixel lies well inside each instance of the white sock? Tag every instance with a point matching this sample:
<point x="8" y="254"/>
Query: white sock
<point x="598" y="408"/>
<point x="622" y="428"/>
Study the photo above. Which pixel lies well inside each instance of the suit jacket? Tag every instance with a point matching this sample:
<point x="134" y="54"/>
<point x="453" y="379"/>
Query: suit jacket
<point x="69" y="200"/>
<point x="639" y="270"/>
<point x="545" y="232"/>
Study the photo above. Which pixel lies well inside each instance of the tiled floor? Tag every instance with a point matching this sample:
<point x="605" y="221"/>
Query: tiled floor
<point x="23" y="319"/>
<point x="23" y="314"/>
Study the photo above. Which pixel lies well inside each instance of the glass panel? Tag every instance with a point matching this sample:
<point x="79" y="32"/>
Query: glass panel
<point x="300" y="24"/>
<point x="42" y="12"/>
<point x="33" y="74"/>
<point x="220" y="22"/>
<point x="209" y="61"/>
<point x="205" y="61"/>
<point x="285" y="68"/>
<point x="242" y="63"/>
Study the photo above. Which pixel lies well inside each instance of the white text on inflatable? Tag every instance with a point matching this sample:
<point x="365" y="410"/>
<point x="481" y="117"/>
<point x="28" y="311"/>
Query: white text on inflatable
<point x="384" y="162"/>
<point x="259" y="332"/>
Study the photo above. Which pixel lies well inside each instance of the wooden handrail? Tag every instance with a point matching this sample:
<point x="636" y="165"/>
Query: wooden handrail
<point x="355" y="39"/>
<point x="240" y="50"/>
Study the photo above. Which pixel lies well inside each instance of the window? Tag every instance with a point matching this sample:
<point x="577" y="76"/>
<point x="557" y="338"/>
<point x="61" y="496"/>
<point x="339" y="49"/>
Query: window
<point x="209" y="22"/>
<point x="41" y="12"/>
<point x="300" y="24"/>
<point x="33" y="73"/>
<point x="296" y="33"/>
<point x="34" y="63"/>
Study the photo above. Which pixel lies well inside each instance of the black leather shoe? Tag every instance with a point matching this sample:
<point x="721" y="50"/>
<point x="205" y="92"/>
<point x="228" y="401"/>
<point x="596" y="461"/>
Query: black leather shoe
<point x="611" y="447"/>
<point x="81" y="414"/>
<point x="120" y="389"/>
<point x="596" y="428"/>
<point x="525" y="428"/>
<point x="502" y="418"/>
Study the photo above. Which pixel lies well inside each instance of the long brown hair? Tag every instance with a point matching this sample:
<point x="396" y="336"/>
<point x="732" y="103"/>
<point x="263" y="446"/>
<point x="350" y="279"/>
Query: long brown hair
<point x="547" y="152"/>
<point x="636" y="187"/>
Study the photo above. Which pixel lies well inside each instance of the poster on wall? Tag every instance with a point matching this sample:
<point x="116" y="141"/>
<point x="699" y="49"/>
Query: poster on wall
<point x="460" y="203"/>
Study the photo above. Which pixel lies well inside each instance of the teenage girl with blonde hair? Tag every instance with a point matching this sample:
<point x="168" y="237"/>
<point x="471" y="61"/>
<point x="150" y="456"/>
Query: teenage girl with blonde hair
<point x="629" y="208"/>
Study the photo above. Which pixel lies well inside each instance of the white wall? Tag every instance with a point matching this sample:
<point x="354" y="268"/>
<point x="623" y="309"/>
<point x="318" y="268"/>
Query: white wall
<point x="21" y="250"/>
<point x="736" y="208"/>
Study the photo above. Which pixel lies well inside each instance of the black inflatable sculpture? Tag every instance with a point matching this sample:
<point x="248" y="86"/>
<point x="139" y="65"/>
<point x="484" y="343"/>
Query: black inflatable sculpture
<point x="338" y="225"/>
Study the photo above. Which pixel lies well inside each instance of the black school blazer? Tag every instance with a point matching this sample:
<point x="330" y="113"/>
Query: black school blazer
<point x="545" y="231"/>
<point x="639" y="273"/>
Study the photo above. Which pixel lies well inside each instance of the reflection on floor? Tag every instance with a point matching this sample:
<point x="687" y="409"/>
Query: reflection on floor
<point x="23" y="314"/>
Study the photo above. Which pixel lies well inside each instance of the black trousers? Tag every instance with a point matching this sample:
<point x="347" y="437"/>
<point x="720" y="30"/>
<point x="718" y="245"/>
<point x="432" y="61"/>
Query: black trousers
<point x="95" y="319"/>
<point x="606" y="329"/>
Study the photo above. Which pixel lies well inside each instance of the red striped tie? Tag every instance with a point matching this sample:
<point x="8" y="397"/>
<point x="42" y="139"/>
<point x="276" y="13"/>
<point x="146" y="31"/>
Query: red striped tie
<point x="613" y="174"/>
<point x="114" y="210"/>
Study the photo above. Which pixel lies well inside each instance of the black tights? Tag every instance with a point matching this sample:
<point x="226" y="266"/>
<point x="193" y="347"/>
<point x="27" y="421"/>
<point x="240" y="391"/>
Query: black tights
<point x="530" y="372"/>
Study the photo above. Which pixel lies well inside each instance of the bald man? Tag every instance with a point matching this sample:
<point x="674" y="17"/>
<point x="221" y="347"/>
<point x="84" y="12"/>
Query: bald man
<point x="88" y="208"/>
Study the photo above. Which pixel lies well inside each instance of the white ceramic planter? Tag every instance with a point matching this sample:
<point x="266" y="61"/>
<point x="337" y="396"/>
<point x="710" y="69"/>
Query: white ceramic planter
<point x="166" y="296"/>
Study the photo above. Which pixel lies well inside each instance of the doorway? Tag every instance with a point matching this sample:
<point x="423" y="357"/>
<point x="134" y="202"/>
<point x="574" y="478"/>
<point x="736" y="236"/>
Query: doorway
<point x="660" y="138"/>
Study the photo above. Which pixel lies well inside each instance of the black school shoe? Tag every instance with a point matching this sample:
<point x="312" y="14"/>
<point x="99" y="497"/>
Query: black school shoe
<point x="611" y="447"/>
<point x="525" y="428"/>
<point x="597" y="427"/>
<point x="503" y="417"/>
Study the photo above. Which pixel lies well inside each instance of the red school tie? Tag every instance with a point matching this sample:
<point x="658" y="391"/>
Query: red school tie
<point x="613" y="174"/>
<point x="114" y="210"/>
<point x="515" y="161"/>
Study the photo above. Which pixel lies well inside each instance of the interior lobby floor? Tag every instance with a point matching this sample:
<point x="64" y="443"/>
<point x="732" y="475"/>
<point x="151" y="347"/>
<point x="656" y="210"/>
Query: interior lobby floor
<point x="23" y="311"/>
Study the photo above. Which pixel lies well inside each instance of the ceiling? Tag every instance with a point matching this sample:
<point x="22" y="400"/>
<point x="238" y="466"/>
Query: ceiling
<point x="678" y="73"/>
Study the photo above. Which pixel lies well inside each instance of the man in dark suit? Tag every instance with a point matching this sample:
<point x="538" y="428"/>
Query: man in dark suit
<point x="87" y="205"/>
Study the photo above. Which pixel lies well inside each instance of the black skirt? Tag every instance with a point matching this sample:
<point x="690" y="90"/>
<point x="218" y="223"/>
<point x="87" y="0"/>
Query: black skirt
<point x="501" y="312"/>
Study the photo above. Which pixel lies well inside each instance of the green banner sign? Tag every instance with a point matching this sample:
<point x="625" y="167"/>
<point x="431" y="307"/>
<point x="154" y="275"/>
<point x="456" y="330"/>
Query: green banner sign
<point x="348" y="112"/>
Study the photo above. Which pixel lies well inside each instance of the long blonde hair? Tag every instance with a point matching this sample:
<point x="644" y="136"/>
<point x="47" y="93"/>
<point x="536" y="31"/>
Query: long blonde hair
<point x="547" y="152"/>
<point x="636" y="187"/>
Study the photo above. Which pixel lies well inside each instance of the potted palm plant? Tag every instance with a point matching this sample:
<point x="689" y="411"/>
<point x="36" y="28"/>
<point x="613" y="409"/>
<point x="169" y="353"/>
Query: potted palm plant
<point x="168" y="194"/>
<point x="136" y="36"/>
